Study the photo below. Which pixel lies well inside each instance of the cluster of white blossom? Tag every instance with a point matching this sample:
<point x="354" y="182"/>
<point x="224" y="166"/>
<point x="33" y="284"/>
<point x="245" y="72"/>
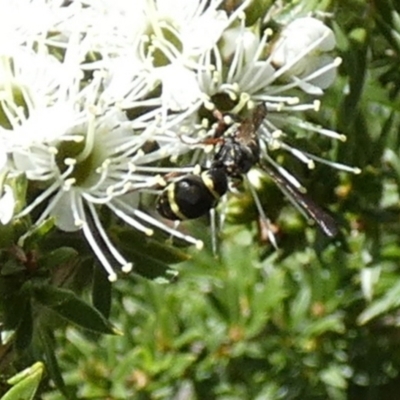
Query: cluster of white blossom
<point x="86" y="85"/>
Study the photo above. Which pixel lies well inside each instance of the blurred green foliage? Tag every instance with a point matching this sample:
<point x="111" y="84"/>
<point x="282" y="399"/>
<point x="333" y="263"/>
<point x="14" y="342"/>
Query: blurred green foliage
<point x="314" y="320"/>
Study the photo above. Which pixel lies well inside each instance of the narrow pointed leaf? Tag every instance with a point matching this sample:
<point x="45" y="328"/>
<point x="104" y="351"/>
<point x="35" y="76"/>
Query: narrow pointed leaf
<point x="52" y="364"/>
<point x="66" y="304"/>
<point x="23" y="335"/>
<point x="25" y="383"/>
<point x="389" y="302"/>
<point x="101" y="292"/>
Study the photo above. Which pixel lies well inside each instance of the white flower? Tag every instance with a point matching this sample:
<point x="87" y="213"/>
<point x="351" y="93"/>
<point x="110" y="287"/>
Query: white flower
<point x="252" y="78"/>
<point x="7" y="201"/>
<point x="24" y="22"/>
<point x="78" y="170"/>
<point x="72" y="137"/>
<point x="123" y="85"/>
<point x="252" y="73"/>
<point x="86" y="158"/>
<point x="35" y="138"/>
<point x="3" y="159"/>
<point x="303" y="44"/>
<point x="28" y="80"/>
<point x="175" y="28"/>
<point x="165" y="38"/>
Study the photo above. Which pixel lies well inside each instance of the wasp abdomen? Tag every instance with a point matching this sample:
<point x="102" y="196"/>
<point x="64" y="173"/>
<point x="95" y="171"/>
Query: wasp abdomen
<point x="193" y="195"/>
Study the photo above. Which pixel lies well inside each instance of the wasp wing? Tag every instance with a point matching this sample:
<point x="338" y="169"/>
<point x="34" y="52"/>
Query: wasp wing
<point x="247" y="129"/>
<point x="306" y="204"/>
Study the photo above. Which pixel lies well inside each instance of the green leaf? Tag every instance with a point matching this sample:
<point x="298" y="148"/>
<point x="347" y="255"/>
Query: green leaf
<point x="58" y="257"/>
<point x="333" y="376"/>
<point x="301" y="305"/>
<point x="389" y="302"/>
<point x="150" y="257"/>
<point x="330" y="323"/>
<point x="51" y="362"/>
<point x="25" y="383"/>
<point x="256" y="11"/>
<point x="37" y="234"/>
<point x="101" y="292"/>
<point x="16" y="303"/>
<point x="138" y="243"/>
<point x="355" y="62"/>
<point x="6" y="235"/>
<point x="23" y="335"/>
<point x="66" y="304"/>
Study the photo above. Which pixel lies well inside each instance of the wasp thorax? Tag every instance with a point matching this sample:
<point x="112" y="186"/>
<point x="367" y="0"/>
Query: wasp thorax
<point x="236" y="158"/>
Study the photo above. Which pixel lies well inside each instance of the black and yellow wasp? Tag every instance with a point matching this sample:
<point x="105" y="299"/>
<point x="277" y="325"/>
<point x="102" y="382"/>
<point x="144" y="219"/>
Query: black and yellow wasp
<point x="236" y="152"/>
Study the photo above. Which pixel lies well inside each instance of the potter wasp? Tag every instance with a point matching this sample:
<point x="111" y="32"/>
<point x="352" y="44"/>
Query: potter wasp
<point x="237" y="150"/>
